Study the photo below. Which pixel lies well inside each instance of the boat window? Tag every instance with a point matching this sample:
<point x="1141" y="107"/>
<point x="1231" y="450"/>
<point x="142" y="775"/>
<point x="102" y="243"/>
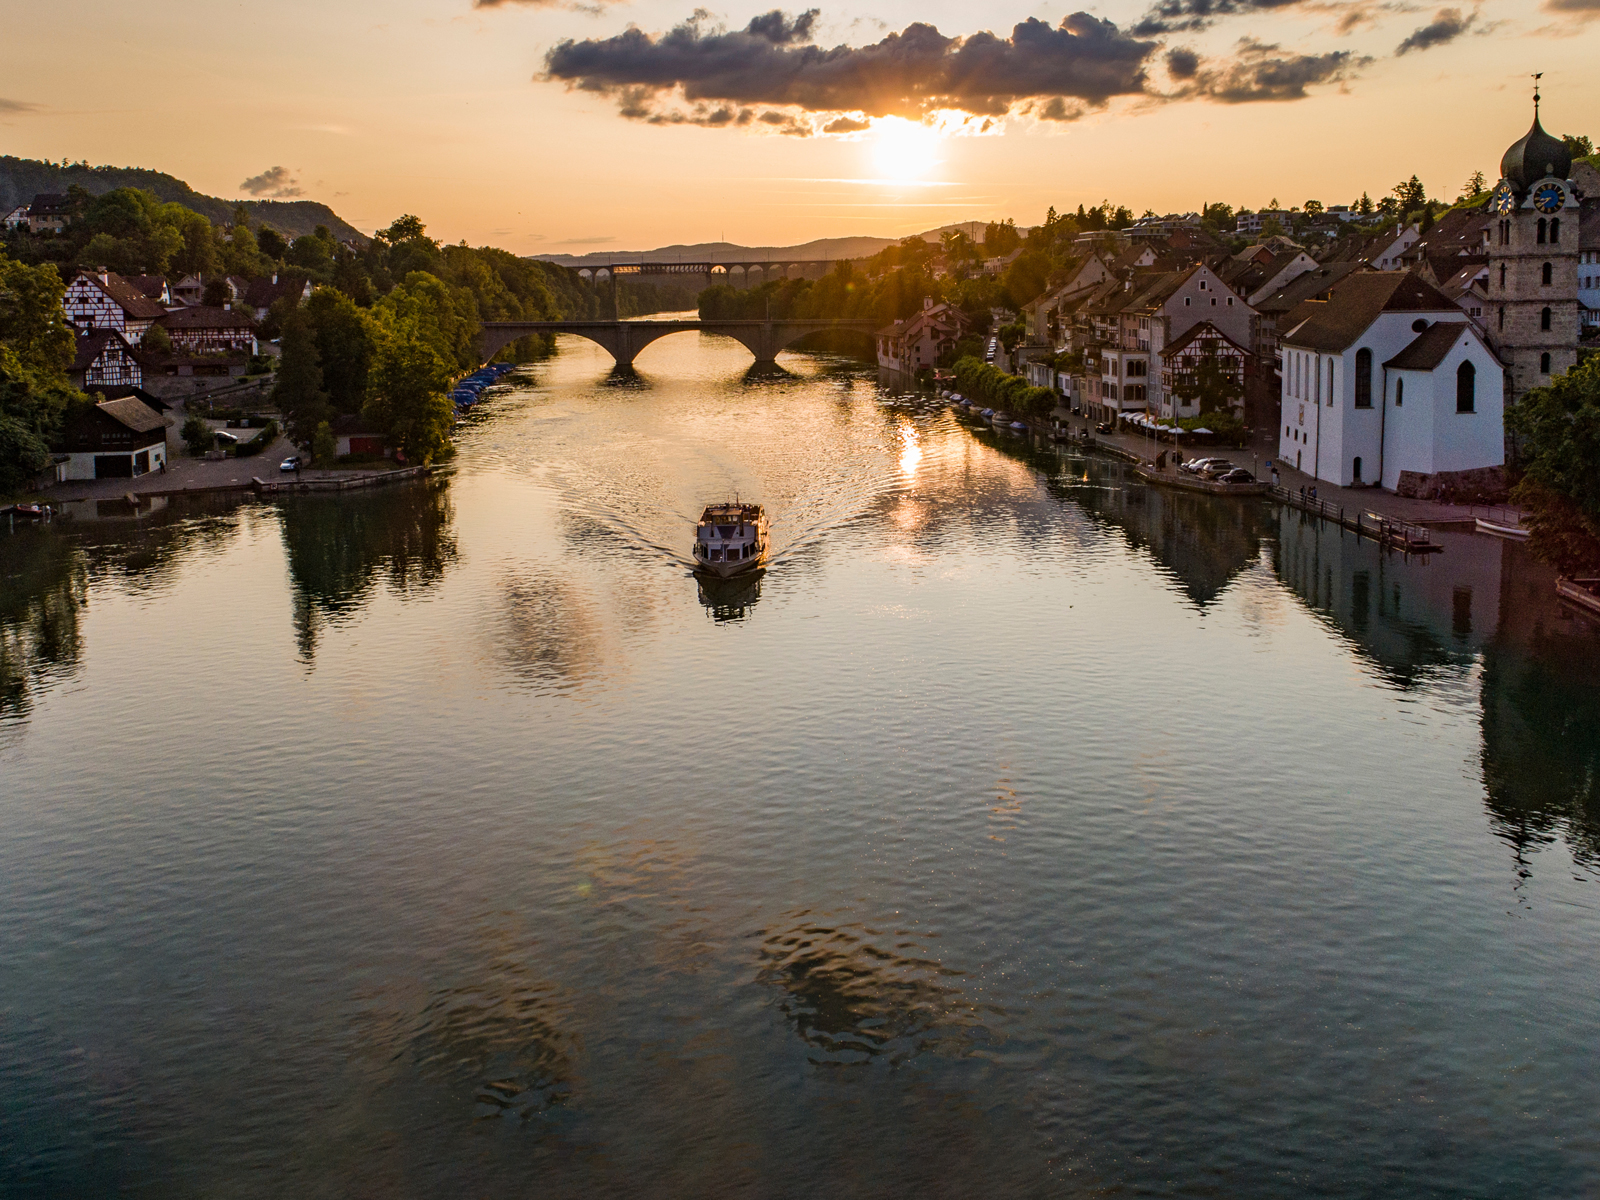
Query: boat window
<point x="726" y="531"/>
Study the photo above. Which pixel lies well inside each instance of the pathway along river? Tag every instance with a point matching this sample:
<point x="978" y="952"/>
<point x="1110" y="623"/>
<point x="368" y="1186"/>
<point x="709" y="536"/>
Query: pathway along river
<point x="1022" y="832"/>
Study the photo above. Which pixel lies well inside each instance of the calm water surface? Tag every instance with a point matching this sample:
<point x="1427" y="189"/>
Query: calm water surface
<point x="1020" y="832"/>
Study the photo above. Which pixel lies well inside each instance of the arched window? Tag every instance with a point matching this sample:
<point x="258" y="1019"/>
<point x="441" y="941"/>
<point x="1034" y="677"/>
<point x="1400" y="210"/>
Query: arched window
<point x="1399" y="392"/>
<point x="1555" y="229"/>
<point x="1363" y="378"/>
<point x="1502" y="316"/>
<point x="1544" y="319"/>
<point x="1544" y="364"/>
<point x="1502" y="277"/>
<point x="1466" y="387"/>
<point x="1547" y="275"/>
<point x="1543" y="225"/>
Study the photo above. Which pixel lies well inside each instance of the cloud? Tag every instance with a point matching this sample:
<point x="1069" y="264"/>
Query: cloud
<point x="701" y="74"/>
<point x="1585" y="8"/>
<point x="846" y="125"/>
<point x="16" y="106"/>
<point x="274" y="183"/>
<point x="1447" y="25"/>
<point x="1259" y="71"/>
<point x="1180" y="16"/>
<point x="587" y="241"/>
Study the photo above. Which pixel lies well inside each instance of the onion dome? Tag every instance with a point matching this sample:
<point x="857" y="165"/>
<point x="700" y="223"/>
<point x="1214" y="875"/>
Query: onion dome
<point x="1535" y="156"/>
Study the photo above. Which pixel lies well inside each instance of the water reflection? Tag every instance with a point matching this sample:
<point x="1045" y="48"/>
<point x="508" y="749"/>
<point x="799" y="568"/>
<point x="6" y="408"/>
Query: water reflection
<point x="1481" y="601"/>
<point x="853" y="1001"/>
<point x="729" y="599"/>
<point x="549" y="635"/>
<point x="340" y="547"/>
<point x="44" y="582"/>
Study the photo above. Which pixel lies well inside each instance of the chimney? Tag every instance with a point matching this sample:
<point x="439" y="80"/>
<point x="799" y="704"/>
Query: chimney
<point x="274" y="277"/>
<point x="103" y="274"/>
<point x="927" y="302"/>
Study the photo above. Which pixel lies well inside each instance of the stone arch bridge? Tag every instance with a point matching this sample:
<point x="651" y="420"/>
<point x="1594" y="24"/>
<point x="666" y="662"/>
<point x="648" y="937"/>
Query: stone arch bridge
<point x="624" y="339"/>
<point x="734" y="273"/>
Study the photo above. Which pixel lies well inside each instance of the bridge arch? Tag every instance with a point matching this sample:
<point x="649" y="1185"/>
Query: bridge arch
<point x="623" y="340"/>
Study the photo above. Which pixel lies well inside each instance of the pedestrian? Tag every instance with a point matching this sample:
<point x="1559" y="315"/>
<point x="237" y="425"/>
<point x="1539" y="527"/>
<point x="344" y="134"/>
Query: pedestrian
<point x="163" y="466"/>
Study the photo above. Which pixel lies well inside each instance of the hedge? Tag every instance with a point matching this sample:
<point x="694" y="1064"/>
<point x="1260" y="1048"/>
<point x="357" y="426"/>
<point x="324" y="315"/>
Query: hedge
<point x="260" y="442"/>
<point x="983" y="381"/>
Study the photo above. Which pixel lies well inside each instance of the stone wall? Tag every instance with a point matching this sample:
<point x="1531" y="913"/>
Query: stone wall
<point x="1480" y="485"/>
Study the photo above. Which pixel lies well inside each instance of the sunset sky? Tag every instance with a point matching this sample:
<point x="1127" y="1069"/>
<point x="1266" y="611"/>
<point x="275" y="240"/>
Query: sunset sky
<point x="573" y="127"/>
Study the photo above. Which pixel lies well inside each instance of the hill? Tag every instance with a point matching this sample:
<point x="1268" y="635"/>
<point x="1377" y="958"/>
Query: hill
<point x="21" y="179"/>
<point x="830" y="249"/>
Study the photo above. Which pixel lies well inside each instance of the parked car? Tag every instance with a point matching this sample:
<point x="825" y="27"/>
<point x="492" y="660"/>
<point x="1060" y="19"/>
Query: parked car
<point x="1237" y="475"/>
<point x="1103" y="427"/>
<point x="291" y="463"/>
<point x="1210" y="466"/>
<point x="224" y="436"/>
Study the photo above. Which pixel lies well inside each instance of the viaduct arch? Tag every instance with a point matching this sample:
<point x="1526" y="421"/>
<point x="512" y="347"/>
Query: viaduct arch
<point x="623" y="340"/>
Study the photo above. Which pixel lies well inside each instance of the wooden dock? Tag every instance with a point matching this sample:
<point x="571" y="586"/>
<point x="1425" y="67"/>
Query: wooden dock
<point x="1401" y="535"/>
<point x="1585" y="593"/>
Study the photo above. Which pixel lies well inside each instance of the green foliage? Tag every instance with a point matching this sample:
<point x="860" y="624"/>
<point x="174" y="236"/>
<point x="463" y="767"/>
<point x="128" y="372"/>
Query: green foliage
<point x="1558" y="432"/>
<point x="197" y="435"/>
<point x="1025" y="279"/>
<point x="156" y="339"/>
<point x="1228" y="426"/>
<point x="271" y="244"/>
<point x="324" y="446"/>
<point x="36" y="346"/>
<point x="344" y="341"/>
<point x="1578" y="145"/>
<point x="994" y="387"/>
<point x="1000" y="238"/>
<point x="298" y="392"/>
<point x="419" y="329"/>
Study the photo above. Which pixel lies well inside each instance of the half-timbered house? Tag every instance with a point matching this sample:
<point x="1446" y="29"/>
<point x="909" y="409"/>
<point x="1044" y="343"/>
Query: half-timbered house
<point x="105" y="300"/>
<point x="204" y="329"/>
<point x="103" y="358"/>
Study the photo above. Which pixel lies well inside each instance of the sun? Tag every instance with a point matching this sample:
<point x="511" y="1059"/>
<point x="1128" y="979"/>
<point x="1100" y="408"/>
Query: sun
<point x="902" y="149"/>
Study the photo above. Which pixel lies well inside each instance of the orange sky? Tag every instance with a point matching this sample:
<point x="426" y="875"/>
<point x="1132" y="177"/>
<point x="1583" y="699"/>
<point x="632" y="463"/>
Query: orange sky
<point x="432" y="107"/>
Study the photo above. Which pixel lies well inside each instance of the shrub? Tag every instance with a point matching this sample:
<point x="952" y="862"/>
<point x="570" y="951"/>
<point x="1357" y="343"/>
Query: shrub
<point x="197" y="435"/>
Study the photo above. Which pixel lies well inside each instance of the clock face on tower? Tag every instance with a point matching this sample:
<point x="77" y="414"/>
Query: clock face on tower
<point x="1548" y="198"/>
<point x="1505" y="200"/>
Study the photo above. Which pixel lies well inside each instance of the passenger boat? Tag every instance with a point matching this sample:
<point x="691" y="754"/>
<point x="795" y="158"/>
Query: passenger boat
<point x="731" y="538"/>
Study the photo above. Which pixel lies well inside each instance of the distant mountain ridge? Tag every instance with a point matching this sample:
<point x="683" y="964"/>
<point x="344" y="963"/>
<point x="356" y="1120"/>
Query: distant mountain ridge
<point x="21" y="179"/>
<point x="828" y="249"/>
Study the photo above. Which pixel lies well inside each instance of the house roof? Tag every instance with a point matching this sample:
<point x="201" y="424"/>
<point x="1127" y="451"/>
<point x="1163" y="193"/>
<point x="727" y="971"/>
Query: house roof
<point x="262" y="292"/>
<point x="92" y="345"/>
<point x="1206" y="330"/>
<point x="149" y="286"/>
<point x="1304" y="287"/>
<point x="134" y="413"/>
<point x="1457" y="232"/>
<point x="203" y="316"/>
<point x="1427" y="351"/>
<point x="50" y="204"/>
<point x="130" y="299"/>
<point x="1332" y="325"/>
<point x="117" y="391"/>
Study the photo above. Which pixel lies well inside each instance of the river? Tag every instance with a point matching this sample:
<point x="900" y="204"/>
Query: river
<point x="1022" y="831"/>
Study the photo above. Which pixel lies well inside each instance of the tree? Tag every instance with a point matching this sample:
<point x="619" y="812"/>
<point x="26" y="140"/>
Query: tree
<point x="36" y="346"/>
<point x="407" y="385"/>
<point x="197" y="435"/>
<point x="298" y="392"/>
<point x="1558" y="430"/>
<point x="403" y="229"/>
<point x="1364" y="205"/>
<point x="1410" y="194"/>
<point x="1578" y="145"/>
<point x="271" y="243"/>
<point x="217" y="293"/>
<point x="156" y="339"/>
<point x="344" y="342"/>
<point x="1475" y="185"/>
<point x="324" y="446"/>
<point x="1313" y="207"/>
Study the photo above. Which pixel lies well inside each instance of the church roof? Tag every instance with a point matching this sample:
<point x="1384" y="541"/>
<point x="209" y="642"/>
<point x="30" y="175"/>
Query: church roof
<point x="1430" y="346"/>
<point x="1333" y="325"/>
<point x="1535" y="155"/>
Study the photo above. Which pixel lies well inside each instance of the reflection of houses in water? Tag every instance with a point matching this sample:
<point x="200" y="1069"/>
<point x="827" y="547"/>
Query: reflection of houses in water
<point x="729" y="599"/>
<point x="1405" y="613"/>
<point x="340" y="547"/>
<point x="1205" y="542"/>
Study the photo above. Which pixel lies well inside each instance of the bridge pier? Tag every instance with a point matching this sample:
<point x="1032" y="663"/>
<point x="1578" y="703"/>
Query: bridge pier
<point x="623" y="340"/>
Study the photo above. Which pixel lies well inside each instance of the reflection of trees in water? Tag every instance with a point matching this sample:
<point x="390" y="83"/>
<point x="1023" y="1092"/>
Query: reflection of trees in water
<point x="44" y="581"/>
<point x="1202" y="540"/>
<point x="853" y="1002"/>
<point x="548" y="636"/>
<point x="1541" y="719"/>
<point x="729" y="599"/>
<point x="340" y="547"/>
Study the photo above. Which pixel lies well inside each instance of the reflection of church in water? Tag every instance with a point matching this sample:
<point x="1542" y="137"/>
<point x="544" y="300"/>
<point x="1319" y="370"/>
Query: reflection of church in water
<point x="1482" y="603"/>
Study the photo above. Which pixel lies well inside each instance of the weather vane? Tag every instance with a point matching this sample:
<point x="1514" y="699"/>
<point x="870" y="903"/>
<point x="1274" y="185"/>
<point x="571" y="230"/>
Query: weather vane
<point x="1536" y="79"/>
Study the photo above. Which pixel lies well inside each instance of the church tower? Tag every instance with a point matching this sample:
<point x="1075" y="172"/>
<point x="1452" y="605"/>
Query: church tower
<point x="1533" y="262"/>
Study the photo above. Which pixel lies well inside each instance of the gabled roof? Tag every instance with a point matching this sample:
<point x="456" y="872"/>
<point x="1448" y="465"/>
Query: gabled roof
<point x="117" y="391"/>
<point x="262" y="292"/>
<point x="134" y="413"/>
<point x="148" y="286"/>
<point x="203" y="316"/>
<point x="92" y="345"/>
<point x="50" y="204"/>
<point x="1357" y="302"/>
<point x="1430" y="346"/>
<point x="124" y="295"/>
<point x="1206" y="330"/>
<point x="1457" y="232"/>
<point x="1304" y="287"/>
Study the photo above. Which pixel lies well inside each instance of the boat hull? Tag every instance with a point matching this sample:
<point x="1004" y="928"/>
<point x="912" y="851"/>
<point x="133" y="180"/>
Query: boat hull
<point x="725" y="570"/>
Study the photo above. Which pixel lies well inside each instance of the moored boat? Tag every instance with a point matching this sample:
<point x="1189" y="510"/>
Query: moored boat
<point x="731" y="538"/>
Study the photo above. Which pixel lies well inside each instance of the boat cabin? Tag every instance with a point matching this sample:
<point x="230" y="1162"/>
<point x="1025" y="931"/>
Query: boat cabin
<point x="730" y="533"/>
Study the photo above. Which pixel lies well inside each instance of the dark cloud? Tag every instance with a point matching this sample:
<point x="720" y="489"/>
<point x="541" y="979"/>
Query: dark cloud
<point x="274" y="182"/>
<point x="722" y="74"/>
<point x="846" y="125"/>
<point x="1447" y="25"/>
<point x="1180" y="16"/>
<point x="1183" y="63"/>
<point x="1259" y="71"/>
<point x="1589" y="8"/>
